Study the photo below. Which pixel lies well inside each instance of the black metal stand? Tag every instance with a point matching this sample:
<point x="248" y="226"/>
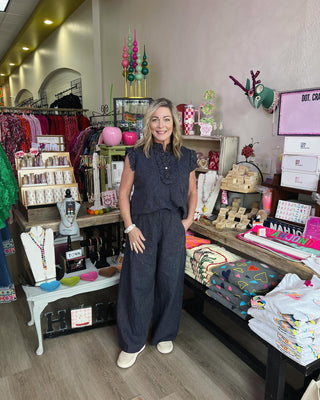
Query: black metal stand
<point x="254" y="165"/>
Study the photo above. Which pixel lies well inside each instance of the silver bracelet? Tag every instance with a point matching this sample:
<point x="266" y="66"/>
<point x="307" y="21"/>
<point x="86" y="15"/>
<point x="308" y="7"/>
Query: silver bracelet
<point x="129" y="229"/>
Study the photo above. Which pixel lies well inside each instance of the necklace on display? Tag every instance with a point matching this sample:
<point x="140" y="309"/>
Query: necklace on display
<point x="66" y="217"/>
<point x="205" y="200"/>
<point x="40" y="247"/>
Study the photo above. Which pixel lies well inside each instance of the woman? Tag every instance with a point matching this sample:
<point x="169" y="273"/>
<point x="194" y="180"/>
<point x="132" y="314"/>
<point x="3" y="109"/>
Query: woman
<point x="161" y="172"/>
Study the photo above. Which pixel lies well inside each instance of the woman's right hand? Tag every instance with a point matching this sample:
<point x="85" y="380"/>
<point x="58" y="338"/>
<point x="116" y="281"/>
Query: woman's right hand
<point x="136" y="240"/>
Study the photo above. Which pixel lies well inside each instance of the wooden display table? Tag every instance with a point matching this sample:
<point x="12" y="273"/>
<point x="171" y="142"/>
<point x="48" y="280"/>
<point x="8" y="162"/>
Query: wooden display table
<point x="228" y="239"/>
<point x="83" y="221"/>
<point x="37" y="298"/>
<point x="274" y="371"/>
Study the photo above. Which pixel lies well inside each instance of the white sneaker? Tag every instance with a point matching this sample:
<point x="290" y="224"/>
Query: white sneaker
<point x="126" y="360"/>
<point x="165" y="347"/>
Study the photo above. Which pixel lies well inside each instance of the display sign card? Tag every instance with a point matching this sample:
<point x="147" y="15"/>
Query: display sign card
<point x="299" y="113"/>
<point x="81" y="317"/>
<point x="282" y="226"/>
<point x="294" y="212"/>
<point x="109" y="198"/>
<point x="51" y="142"/>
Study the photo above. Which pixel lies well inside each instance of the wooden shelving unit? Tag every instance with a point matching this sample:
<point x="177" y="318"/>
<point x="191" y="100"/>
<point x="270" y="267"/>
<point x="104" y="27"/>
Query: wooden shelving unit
<point x="226" y="146"/>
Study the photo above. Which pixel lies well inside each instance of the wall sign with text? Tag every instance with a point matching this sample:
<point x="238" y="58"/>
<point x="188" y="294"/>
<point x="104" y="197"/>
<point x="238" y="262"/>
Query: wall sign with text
<point x="299" y="113"/>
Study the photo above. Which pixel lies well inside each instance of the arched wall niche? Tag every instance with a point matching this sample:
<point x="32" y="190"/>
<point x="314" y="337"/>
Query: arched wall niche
<point x="59" y="83"/>
<point x="23" y="98"/>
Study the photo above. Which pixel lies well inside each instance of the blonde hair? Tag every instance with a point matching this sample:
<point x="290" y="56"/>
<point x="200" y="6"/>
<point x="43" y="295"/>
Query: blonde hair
<point x="176" y="137"/>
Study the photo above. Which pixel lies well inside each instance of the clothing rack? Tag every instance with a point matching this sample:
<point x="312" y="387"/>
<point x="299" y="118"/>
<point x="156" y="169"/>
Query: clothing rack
<point x="37" y="101"/>
<point x="104" y="113"/>
<point x="26" y="102"/>
<point x="31" y="109"/>
<point x="66" y="90"/>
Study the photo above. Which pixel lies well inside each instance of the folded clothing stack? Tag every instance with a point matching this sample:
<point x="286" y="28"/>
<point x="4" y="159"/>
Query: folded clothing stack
<point x="202" y="260"/>
<point x="288" y="317"/>
<point x="194" y="241"/>
<point x="234" y="284"/>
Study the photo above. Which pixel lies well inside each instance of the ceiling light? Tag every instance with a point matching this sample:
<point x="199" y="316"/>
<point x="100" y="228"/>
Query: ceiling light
<point x="11" y="64"/>
<point x="25" y="48"/>
<point x="3" y="4"/>
<point x="2" y="74"/>
<point x="48" y="22"/>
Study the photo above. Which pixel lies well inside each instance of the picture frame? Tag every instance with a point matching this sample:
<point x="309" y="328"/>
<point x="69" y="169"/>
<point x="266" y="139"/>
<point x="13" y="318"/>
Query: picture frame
<point x="128" y="111"/>
<point x="299" y="113"/>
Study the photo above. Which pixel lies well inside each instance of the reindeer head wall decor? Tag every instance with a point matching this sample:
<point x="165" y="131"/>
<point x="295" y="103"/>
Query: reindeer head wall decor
<point x="258" y="94"/>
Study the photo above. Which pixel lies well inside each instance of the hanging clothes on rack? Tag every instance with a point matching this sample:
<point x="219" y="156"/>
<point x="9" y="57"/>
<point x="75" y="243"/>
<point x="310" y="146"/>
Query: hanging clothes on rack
<point x="76" y="151"/>
<point x="71" y="130"/>
<point x="25" y="146"/>
<point x="83" y="122"/>
<point x="44" y="123"/>
<point x="68" y="101"/>
<point x="56" y="125"/>
<point x="12" y="136"/>
<point x="19" y="127"/>
<point x="18" y="131"/>
<point x="35" y="126"/>
<point x="9" y="196"/>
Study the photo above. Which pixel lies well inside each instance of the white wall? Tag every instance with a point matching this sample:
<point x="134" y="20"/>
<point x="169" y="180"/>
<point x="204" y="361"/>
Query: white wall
<point x="70" y="46"/>
<point x="191" y="46"/>
<point x="195" y="45"/>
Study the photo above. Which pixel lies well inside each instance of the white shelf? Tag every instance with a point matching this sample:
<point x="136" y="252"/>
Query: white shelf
<point x="227" y="146"/>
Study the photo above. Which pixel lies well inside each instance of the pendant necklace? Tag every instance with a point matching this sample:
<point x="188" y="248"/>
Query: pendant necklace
<point x="40" y="247"/>
<point x="205" y="200"/>
<point x="64" y="217"/>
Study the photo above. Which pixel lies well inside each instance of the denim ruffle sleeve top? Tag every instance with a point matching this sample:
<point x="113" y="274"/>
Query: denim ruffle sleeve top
<point x="161" y="181"/>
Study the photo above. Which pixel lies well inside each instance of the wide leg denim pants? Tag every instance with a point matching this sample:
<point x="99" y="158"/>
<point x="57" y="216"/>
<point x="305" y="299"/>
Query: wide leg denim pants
<point x="151" y="283"/>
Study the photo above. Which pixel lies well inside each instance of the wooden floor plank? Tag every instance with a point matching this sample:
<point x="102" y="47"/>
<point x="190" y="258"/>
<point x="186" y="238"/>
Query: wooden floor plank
<point x="83" y="365"/>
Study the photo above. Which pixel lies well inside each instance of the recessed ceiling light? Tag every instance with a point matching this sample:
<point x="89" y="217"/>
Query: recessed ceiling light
<point x="48" y="22"/>
<point x="2" y="74"/>
<point x="25" y="48"/>
<point x="3" y="4"/>
<point x="11" y="64"/>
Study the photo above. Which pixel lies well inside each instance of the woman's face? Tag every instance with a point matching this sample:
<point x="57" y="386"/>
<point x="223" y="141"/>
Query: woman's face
<point x="161" y="125"/>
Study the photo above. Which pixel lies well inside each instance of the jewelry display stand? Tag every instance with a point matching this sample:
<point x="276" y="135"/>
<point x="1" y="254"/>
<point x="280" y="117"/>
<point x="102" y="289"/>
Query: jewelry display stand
<point x="38" y="244"/>
<point x="68" y="209"/>
<point x="208" y="191"/>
